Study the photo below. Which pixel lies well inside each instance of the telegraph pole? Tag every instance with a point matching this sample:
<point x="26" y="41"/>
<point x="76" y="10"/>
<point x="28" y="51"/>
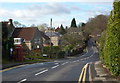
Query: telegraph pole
<point x="51" y="31"/>
<point x="51" y="38"/>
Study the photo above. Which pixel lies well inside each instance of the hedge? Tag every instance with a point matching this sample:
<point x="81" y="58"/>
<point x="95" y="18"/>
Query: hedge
<point x="111" y="48"/>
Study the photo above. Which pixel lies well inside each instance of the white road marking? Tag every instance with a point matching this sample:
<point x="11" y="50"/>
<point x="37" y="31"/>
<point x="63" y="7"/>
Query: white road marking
<point x="81" y="59"/>
<point x="55" y="66"/>
<point x="22" y="80"/>
<point x="41" y="63"/>
<point x="41" y="72"/>
<point x="56" y="63"/>
<point x="64" y="63"/>
<point x="87" y="57"/>
<point x="74" y="61"/>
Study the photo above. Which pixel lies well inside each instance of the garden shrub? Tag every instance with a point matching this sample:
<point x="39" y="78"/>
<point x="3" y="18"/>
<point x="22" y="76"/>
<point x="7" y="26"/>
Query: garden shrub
<point x="61" y="54"/>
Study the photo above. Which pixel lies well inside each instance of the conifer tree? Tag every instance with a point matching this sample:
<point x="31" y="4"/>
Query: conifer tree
<point x="73" y="23"/>
<point x="62" y="30"/>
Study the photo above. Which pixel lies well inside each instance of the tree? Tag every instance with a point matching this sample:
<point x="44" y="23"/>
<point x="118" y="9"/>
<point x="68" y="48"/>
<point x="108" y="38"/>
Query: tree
<point x="81" y="24"/>
<point x="62" y="30"/>
<point x="42" y="27"/>
<point x="4" y="32"/>
<point x="73" y="23"/>
<point x="18" y="24"/>
<point x="96" y="25"/>
<point x="112" y="43"/>
<point x="33" y="25"/>
<point x="73" y="37"/>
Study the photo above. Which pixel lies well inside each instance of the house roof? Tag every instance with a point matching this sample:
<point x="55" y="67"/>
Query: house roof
<point x="45" y="36"/>
<point x="25" y="33"/>
<point x="52" y="34"/>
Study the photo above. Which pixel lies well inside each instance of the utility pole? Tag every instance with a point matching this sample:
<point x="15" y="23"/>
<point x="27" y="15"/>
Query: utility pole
<point x="51" y="38"/>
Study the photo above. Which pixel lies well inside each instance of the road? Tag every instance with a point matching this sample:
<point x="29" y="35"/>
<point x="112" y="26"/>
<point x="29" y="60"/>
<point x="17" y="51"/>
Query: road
<point x="59" y="70"/>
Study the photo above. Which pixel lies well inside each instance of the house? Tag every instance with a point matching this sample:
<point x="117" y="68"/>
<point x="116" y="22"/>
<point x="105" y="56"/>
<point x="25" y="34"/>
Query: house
<point x="46" y="39"/>
<point x="30" y="36"/>
<point x="54" y="37"/>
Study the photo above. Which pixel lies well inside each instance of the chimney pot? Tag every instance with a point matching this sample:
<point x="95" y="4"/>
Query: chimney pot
<point x="10" y="20"/>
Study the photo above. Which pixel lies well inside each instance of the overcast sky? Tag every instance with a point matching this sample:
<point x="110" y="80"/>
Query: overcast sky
<point x="61" y="12"/>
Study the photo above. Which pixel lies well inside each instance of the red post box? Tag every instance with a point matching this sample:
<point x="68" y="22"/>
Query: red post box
<point x="18" y="53"/>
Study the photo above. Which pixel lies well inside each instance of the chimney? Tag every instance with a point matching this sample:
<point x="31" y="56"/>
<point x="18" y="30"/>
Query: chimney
<point x="10" y="21"/>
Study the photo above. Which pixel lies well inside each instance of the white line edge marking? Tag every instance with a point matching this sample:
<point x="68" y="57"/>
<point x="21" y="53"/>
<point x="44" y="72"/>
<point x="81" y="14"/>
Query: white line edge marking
<point x="22" y="80"/>
<point x="55" y="66"/>
<point x="41" y="72"/>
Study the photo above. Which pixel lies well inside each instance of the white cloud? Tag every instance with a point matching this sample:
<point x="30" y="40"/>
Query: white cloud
<point x="51" y="8"/>
<point x="61" y="13"/>
<point x="36" y="11"/>
<point x="27" y="1"/>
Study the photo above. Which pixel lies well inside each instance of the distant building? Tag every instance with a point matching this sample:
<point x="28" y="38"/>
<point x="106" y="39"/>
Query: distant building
<point x="54" y="37"/>
<point x="46" y="39"/>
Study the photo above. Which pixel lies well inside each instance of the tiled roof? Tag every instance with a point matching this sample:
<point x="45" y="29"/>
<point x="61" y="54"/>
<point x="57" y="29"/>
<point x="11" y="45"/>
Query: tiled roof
<point x="45" y="36"/>
<point x="25" y="33"/>
<point x="52" y="34"/>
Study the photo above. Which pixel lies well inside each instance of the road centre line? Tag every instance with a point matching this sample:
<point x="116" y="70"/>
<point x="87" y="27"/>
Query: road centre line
<point x="87" y="57"/>
<point x="64" y="63"/>
<point x="56" y="63"/>
<point x="55" y="66"/>
<point x="22" y="80"/>
<point x="41" y="72"/>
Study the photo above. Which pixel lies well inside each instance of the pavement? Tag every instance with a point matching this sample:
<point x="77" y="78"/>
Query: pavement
<point x="99" y="73"/>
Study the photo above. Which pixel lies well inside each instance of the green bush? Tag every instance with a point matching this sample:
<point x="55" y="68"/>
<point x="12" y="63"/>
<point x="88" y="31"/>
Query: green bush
<point x="111" y="49"/>
<point x="52" y="51"/>
<point x="102" y="44"/>
<point x="61" y="54"/>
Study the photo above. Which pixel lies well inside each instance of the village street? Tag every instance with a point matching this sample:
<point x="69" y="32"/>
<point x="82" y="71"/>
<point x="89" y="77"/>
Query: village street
<point x="59" y="70"/>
